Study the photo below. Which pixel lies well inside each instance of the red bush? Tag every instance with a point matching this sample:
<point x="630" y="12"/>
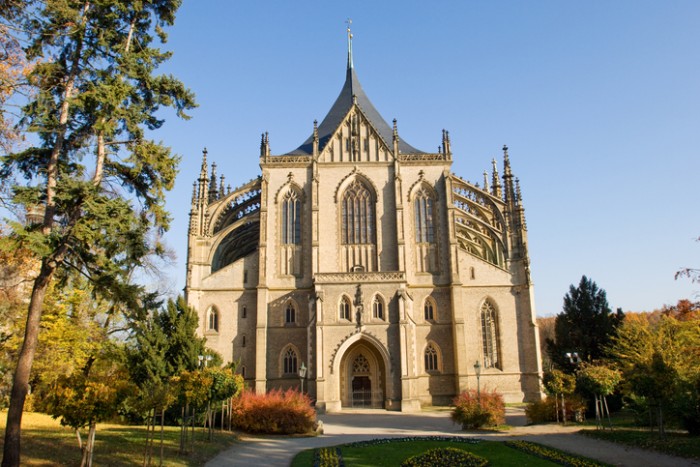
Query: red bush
<point x="474" y="411"/>
<point x="276" y="412"/>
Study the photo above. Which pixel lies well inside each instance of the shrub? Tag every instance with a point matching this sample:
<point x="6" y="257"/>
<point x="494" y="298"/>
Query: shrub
<point x="551" y="454"/>
<point x="327" y="457"/>
<point x="276" y="412"/>
<point x="474" y="411"/>
<point x="445" y="456"/>
<point x="546" y="410"/>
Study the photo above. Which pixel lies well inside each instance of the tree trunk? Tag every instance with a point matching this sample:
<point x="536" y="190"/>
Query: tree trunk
<point x="563" y="409"/>
<point x="89" y="446"/>
<point x="162" y="427"/>
<point x="20" y="383"/>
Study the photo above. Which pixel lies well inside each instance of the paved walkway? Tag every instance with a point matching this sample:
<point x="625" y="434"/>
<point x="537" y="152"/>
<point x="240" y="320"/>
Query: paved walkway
<point x="362" y="425"/>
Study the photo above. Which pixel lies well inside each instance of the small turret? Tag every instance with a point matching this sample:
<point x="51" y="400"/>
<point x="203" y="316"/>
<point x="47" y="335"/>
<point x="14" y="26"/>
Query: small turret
<point x="446" y="147"/>
<point x="213" y="190"/>
<point x="396" y="140"/>
<point x="495" y="181"/>
<point x="315" y="140"/>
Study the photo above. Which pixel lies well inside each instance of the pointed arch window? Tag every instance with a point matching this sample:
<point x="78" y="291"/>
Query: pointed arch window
<point x="377" y="308"/>
<point x="431" y="358"/>
<point x="344" y="309"/>
<point x="425" y="229"/>
<point x="213" y="320"/>
<point x="291" y="218"/>
<point x="290" y="314"/>
<point x="357" y="215"/>
<point x="490" y="336"/>
<point x="289" y="362"/>
<point x="429" y="309"/>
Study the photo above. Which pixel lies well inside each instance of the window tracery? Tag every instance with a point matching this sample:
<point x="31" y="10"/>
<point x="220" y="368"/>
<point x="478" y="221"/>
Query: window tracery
<point x="213" y="320"/>
<point x="290" y="362"/>
<point x="357" y="215"/>
<point x="490" y="336"/>
<point x="291" y="218"/>
<point x="344" y="309"/>
<point x="431" y="358"/>
<point x="429" y="309"/>
<point x="424" y="217"/>
<point x="290" y="314"/>
<point x="377" y="308"/>
<point x="360" y="365"/>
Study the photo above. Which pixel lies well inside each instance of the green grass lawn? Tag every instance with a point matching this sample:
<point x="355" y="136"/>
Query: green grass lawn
<point x="46" y="443"/>
<point x="391" y="454"/>
<point x="674" y="443"/>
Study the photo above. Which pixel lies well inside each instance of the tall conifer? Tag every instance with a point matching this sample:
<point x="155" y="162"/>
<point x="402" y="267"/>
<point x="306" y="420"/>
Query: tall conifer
<point x="95" y="172"/>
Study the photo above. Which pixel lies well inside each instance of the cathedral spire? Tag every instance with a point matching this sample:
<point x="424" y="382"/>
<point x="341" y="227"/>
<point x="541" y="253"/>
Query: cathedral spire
<point x="350" y="65"/>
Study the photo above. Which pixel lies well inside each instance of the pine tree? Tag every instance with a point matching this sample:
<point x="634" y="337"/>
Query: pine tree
<point x="585" y="326"/>
<point x="99" y="178"/>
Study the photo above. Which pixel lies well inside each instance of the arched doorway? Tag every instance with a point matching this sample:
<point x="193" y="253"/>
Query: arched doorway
<point x="362" y="377"/>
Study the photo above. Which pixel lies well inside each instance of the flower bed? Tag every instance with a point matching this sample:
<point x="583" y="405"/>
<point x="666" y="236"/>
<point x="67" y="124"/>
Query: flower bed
<point x="445" y="456"/>
<point x="552" y="454"/>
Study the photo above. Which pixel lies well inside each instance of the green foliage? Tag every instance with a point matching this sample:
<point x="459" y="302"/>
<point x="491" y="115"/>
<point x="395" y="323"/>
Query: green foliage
<point x="558" y="382"/>
<point x="445" y="456"/>
<point x="276" y="412"/>
<point x="473" y="411"/>
<point x="225" y="384"/>
<point x="545" y="410"/>
<point x="80" y="400"/>
<point x="658" y="361"/>
<point x="585" y="325"/>
<point x="598" y="379"/>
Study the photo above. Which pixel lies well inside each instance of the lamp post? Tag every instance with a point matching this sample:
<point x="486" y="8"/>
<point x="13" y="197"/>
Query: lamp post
<point x="574" y="359"/>
<point x="302" y="375"/>
<point x="204" y="360"/>
<point x="477" y="370"/>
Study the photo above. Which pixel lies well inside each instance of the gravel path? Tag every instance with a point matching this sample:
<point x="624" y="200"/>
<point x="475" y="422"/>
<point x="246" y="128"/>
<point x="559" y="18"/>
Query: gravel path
<point x="362" y="425"/>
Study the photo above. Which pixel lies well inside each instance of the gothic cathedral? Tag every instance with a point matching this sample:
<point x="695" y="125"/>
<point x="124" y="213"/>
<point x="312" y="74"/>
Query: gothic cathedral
<point x="366" y="261"/>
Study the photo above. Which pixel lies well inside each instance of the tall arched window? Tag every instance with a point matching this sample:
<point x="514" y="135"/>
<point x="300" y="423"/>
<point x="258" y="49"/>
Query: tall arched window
<point x="429" y="309"/>
<point x="490" y="336"/>
<point x="377" y="308"/>
<point x="290" y="362"/>
<point x="431" y="358"/>
<point x="344" y="309"/>
<point x="291" y="219"/>
<point x="357" y="215"/>
<point x="423" y="205"/>
<point x="290" y="314"/>
<point x="212" y="319"/>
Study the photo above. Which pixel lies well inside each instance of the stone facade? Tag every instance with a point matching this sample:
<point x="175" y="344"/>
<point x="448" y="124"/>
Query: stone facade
<point x="369" y="262"/>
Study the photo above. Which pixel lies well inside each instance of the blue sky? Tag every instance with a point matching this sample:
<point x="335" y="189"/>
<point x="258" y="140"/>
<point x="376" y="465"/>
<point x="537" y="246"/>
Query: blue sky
<point x="598" y="101"/>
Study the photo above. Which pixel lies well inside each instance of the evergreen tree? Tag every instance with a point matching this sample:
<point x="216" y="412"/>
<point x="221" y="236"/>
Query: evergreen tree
<point x="98" y="177"/>
<point x="585" y="325"/>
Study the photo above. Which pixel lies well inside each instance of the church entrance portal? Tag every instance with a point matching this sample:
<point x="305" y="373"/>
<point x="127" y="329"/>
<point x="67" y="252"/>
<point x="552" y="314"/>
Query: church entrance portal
<point x="362" y="377"/>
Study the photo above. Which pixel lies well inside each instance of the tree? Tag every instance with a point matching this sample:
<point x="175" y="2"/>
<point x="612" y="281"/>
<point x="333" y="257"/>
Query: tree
<point x="95" y="94"/>
<point x="87" y="397"/>
<point x="14" y="69"/>
<point x="599" y="380"/>
<point x="164" y="346"/>
<point x="585" y="325"/>
<point x="558" y="383"/>
<point x="658" y="360"/>
<point x="691" y="273"/>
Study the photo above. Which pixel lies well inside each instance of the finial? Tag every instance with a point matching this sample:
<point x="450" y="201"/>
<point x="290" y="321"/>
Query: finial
<point x="396" y="130"/>
<point x="349" y="23"/>
<point x="222" y="186"/>
<point x="518" y="195"/>
<point x="486" y="181"/>
<point x="194" y="192"/>
<point x="315" y="129"/>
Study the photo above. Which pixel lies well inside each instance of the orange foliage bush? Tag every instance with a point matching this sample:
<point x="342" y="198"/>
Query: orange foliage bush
<point x="276" y="412"/>
<point x="474" y="411"/>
